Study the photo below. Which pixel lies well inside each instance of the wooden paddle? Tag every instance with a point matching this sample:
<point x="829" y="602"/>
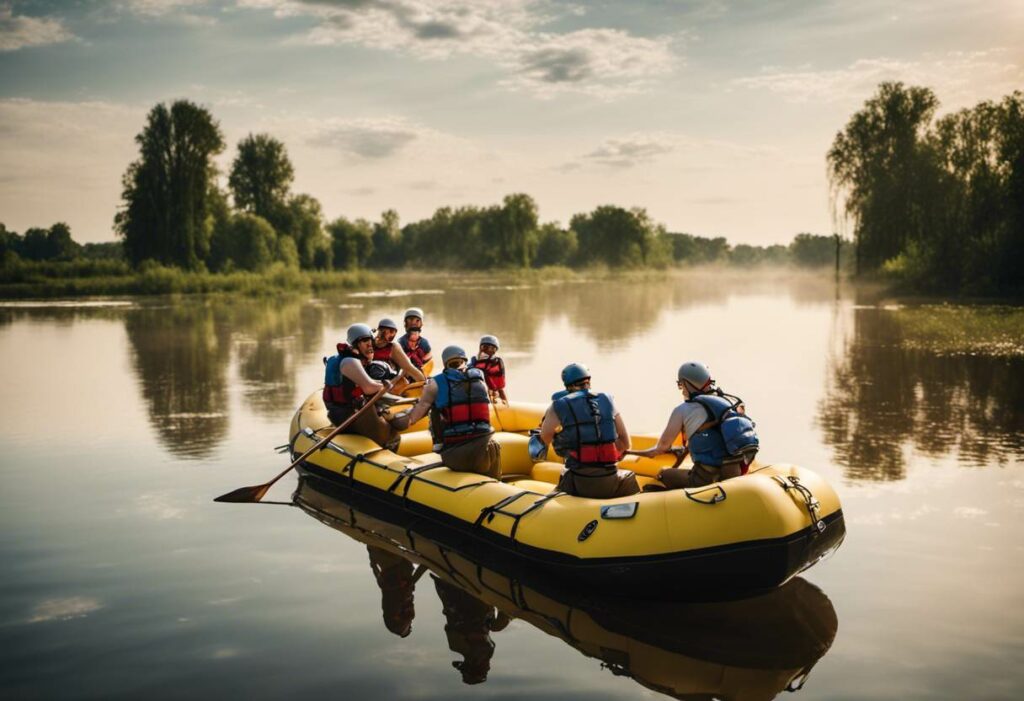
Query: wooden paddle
<point x="249" y="495"/>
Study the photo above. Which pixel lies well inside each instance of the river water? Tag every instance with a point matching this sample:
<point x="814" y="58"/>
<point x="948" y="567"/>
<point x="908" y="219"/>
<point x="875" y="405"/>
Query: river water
<point x="122" y="419"/>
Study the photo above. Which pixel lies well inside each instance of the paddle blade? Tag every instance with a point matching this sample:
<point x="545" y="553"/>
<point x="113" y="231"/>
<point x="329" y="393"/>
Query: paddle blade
<point x="245" y="495"/>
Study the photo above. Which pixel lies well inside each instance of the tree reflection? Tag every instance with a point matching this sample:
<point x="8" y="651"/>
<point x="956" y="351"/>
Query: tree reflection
<point x="182" y="354"/>
<point x="899" y="385"/>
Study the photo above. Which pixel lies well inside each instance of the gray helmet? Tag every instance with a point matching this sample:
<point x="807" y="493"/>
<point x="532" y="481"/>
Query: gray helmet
<point x="573" y="373"/>
<point x="386" y="323"/>
<point x="491" y="340"/>
<point x="696" y="374"/>
<point x="452" y="352"/>
<point x="358" y="331"/>
<point x="413" y="311"/>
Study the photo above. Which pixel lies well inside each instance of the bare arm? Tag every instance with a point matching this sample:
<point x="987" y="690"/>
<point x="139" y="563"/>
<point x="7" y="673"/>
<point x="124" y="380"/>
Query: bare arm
<point x="622" y="443"/>
<point x="672" y="429"/>
<point x="404" y="364"/>
<point x="419" y="409"/>
<point x="549" y="425"/>
<point x="354" y="370"/>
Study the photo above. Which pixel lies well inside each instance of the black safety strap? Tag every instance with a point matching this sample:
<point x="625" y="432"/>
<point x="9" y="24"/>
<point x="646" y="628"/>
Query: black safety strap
<point x="792" y="483"/>
<point x="412" y="472"/>
<point x="533" y="507"/>
<point x="489" y="512"/>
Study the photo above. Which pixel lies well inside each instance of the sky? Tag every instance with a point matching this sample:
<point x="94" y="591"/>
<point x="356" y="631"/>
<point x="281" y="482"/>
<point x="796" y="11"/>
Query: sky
<point x="713" y="116"/>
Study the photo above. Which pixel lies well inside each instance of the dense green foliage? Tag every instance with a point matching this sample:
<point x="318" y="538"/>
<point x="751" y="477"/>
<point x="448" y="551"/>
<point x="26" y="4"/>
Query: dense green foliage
<point x="937" y="203"/>
<point x="166" y="191"/>
<point x="261" y="176"/>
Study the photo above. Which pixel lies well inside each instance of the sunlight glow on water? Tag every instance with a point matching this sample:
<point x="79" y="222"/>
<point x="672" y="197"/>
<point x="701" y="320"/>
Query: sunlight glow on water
<point x="122" y="421"/>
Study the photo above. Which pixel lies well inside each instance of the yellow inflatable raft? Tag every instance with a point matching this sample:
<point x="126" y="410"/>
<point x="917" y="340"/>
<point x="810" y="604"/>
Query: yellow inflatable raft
<point x="752" y="648"/>
<point x="747" y="534"/>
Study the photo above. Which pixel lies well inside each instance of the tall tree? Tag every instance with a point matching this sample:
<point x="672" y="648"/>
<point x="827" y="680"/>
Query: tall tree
<point x="166" y="191"/>
<point x="261" y="176"/>
<point x="878" y="169"/>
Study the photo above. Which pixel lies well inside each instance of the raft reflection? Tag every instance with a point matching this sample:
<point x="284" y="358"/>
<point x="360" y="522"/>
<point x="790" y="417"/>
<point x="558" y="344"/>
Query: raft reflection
<point x="750" y="648"/>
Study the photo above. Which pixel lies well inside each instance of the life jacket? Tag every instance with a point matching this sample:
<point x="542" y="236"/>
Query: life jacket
<point x="462" y="409"/>
<point x="417" y="355"/>
<point x="588" y="432"/>
<point x="559" y="394"/>
<point x="727" y="435"/>
<point x="338" y="389"/>
<point x="382" y="353"/>
<point x="493" y="369"/>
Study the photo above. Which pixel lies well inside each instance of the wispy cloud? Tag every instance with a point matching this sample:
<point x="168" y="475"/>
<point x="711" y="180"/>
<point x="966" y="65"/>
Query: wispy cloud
<point x="602" y="62"/>
<point x="64" y="609"/>
<point x="180" y="11"/>
<point x="958" y="77"/>
<point x="19" y="31"/>
<point x="630" y="151"/>
<point x="368" y="138"/>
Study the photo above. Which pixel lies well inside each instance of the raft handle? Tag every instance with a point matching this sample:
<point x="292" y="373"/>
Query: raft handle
<point x="718" y="497"/>
<point x="792" y="483"/>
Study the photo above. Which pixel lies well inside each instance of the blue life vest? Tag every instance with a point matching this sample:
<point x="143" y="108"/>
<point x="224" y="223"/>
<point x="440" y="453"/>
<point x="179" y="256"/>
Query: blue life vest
<point x="338" y="389"/>
<point x="727" y="435"/>
<point x="462" y="407"/>
<point x="588" y="432"/>
<point x="559" y="394"/>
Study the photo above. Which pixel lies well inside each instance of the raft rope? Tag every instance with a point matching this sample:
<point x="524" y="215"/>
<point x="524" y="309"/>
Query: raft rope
<point x="792" y="483"/>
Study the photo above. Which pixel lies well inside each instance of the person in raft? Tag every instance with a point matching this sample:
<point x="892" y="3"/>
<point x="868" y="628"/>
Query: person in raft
<point x="347" y="387"/>
<point x="492" y="366"/>
<point x="592" y="438"/>
<point x="720" y="437"/>
<point x="389" y="360"/>
<point x="460" y="416"/>
<point x="412" y="341"/>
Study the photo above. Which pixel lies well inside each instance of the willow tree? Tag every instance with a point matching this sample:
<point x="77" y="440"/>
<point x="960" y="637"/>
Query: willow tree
<point x="166" y="191"/>
<point x="882" y="173"/>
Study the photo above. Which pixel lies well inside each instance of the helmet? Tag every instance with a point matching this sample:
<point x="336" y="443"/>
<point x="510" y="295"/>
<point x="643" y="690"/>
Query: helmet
<point x="413" y="311"/>
<point x="452" y="352"/>
<point x="379" y="370"/>
<point x="696" y="374"/>
<point x="358" y="331"/>
<point x="491" y="340"/>
<point x="573" y="373"/>
<point x="387" y="324"/>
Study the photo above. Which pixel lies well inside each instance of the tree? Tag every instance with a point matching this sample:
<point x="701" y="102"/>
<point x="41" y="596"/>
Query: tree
<point x="880" y="171"/>
<point x="303" y="222"/>
<point x="555" y="245"/>
<point x="351" y="242"/>
<point x="387" y="240"/>
<point x="516" y="230"/>
<point x="261" y="176"/>
<point x="166" y="191"/>
<point x="620" y="238"/>
<point x="59" y="243"/>
<point x="251" y="242"/>
<point x="810" y="250"/>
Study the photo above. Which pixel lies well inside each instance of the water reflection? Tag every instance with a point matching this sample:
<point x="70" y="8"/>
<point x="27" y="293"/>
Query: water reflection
<point x="751" y="648"/>
<point x="902" y="382"/>
<point x="181" y="355"/>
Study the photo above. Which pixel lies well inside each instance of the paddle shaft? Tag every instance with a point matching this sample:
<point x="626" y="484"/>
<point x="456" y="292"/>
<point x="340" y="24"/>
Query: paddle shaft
<point x="344" y="424"/>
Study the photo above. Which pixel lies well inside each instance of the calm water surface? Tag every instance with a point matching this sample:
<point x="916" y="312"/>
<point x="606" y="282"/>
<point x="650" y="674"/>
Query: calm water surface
<point x="121" y="421"/>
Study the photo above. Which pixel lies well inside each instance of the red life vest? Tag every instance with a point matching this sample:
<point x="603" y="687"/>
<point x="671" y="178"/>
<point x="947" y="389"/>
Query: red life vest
<point x="338" y="389"/>
<point x="382" y="353"/>
<point x="494" y="371"/>
<point x="416" y="353"/>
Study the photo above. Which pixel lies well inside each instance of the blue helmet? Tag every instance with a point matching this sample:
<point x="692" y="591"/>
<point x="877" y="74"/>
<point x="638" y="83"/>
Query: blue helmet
<point x="573" y="373"/>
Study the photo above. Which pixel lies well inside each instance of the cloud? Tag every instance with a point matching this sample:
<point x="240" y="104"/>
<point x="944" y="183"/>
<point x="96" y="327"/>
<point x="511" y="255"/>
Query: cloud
<point x="19" y="31"/>
<point x="631" y="151"/>
<point x="605" y="63"/>
<point x="958" y="77"/>
<point x="370" y="139"/>
<point x="64" y="609"/>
